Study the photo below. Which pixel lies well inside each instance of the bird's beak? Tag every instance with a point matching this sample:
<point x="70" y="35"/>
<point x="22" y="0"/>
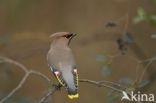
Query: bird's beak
<point x="73" y="35"/>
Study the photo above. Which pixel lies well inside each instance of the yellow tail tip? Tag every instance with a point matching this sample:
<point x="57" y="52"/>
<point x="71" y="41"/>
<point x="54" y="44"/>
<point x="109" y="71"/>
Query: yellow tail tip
<point x="73" y="96"/>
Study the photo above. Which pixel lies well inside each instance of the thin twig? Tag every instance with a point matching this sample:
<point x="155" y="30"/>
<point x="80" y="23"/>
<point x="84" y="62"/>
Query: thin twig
<point x="112" y="57"/>
<point x="150" y="61"/>
<point x="54" y="89"/>
<point x="41" y="75"/>
<point x="112" y="83"/>
<point x="8" y="60"/>
<point x="98" y="83"/>
<point x="49" y="93"/>
<point x="27" y="73"/>
<point x="144" y="71"/>
<point x="16" y="88"/>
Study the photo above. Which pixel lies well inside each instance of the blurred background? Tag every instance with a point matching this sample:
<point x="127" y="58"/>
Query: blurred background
<point x="105" y="29"/>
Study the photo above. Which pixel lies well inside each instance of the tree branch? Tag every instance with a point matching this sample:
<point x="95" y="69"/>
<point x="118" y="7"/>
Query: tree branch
<point x="96" y="83"/>
<point x="49" y="93"/>
<point x="23" y="80"/>
<point x="103" y="84"/>
<point x="111" y="85"/>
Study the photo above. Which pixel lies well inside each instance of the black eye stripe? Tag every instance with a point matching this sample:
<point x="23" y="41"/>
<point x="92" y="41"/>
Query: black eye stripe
<point x="68" y="36"/>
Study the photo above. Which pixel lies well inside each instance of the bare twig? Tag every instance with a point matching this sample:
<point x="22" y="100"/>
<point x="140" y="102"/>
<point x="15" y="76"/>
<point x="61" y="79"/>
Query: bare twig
<point x="8" y="60"/>
<point x="27" y="73"/>
<point x="49" y="93"/>
<point x="16" y="88"/>
<point x="144" y="71"/>
<point x="150" y="61"/>
<point x="99" y="84"/>
<point x="138" y="78"/>
<point x="25" y="69"/>
<point x="41" y="75"/>
<point x="96" y="83"/>
<point x="112" y="57"/>
<point x="111" y="85"/>
<point x="54" y="88"/>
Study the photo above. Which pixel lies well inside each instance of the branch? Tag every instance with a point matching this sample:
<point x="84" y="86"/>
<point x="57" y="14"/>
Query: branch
<point x="150" y="61"/>
<point x="96" y="83"/>
<point x="23" y="80"/>
<point x="114" y="86"/>
<point x="15" y="89"/>
<point x="103" y="84"/>
<point x="111" y="85"/>
<point x="49" y="93"/>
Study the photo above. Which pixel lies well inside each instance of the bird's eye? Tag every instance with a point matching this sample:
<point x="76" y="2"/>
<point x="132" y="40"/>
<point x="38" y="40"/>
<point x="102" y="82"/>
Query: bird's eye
<point x="68" y="36"/>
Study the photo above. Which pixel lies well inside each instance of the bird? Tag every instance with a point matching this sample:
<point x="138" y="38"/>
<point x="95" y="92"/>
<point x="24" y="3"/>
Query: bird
<point x="61" y="62"/>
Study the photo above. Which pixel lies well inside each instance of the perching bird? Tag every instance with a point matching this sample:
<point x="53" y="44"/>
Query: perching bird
<point x="61" y="61"/>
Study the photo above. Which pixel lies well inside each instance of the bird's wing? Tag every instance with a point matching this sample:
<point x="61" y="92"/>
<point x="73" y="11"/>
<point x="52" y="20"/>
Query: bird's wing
<point x="60" y="59"/>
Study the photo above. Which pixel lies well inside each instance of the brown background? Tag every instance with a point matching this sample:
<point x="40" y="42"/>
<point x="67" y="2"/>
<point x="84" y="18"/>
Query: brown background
<point x="25" y="26"/>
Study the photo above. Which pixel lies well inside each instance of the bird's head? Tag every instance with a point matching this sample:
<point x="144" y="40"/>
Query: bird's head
<point x="63" y="36"/>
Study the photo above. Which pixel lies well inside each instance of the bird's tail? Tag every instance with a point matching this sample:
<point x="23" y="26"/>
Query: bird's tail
<point x="73" y="96"/>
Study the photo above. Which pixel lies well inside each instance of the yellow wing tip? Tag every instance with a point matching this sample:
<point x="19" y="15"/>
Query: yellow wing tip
<point x="73" y="96"/>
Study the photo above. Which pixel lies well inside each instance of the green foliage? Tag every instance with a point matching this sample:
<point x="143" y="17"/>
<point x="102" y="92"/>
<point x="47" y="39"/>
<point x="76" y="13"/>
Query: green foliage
<point x="127" y="84"/>
<point x="142" y="15"/>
